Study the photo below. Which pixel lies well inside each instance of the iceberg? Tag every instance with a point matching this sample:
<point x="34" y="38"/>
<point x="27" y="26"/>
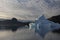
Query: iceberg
<point x="43" y="26"/>
<point x="32" y="26"/>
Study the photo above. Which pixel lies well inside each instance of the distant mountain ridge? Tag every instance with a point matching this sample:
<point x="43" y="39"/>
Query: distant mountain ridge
<point x="13" y="24"/>
<point x="55" y="19"/>
<point x="2" y="19"/>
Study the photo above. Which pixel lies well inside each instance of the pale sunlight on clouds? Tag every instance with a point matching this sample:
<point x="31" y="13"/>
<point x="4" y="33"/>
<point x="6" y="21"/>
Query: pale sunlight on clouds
<point x="29" y="9"/>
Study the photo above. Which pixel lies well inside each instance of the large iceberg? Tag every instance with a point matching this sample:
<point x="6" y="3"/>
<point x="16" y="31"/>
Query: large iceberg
<point x="43" y="26"/>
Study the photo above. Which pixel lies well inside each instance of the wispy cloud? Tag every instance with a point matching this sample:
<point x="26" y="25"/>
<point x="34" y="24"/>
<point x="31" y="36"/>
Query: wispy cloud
<point x="29" y="9"/>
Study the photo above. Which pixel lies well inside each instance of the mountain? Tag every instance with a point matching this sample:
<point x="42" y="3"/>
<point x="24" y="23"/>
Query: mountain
<point x="55" y="19"/>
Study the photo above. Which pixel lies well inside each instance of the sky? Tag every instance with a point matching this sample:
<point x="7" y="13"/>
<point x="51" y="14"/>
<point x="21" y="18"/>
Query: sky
<point x="28" y="9"/>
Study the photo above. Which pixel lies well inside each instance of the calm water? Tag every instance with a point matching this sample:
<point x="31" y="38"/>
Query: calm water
<point x="26" y="34"/>
<point x="20" y="34"/>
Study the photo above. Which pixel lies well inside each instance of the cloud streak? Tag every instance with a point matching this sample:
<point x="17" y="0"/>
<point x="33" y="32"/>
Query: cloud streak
<point x="29" y="9"/>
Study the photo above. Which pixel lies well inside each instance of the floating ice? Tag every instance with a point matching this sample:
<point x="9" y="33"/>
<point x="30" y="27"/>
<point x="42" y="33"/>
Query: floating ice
<point x="43" y="26"/>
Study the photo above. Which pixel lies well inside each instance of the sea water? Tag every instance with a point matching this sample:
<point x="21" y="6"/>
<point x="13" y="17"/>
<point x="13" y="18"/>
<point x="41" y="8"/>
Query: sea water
<point x="20" y="34"/>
